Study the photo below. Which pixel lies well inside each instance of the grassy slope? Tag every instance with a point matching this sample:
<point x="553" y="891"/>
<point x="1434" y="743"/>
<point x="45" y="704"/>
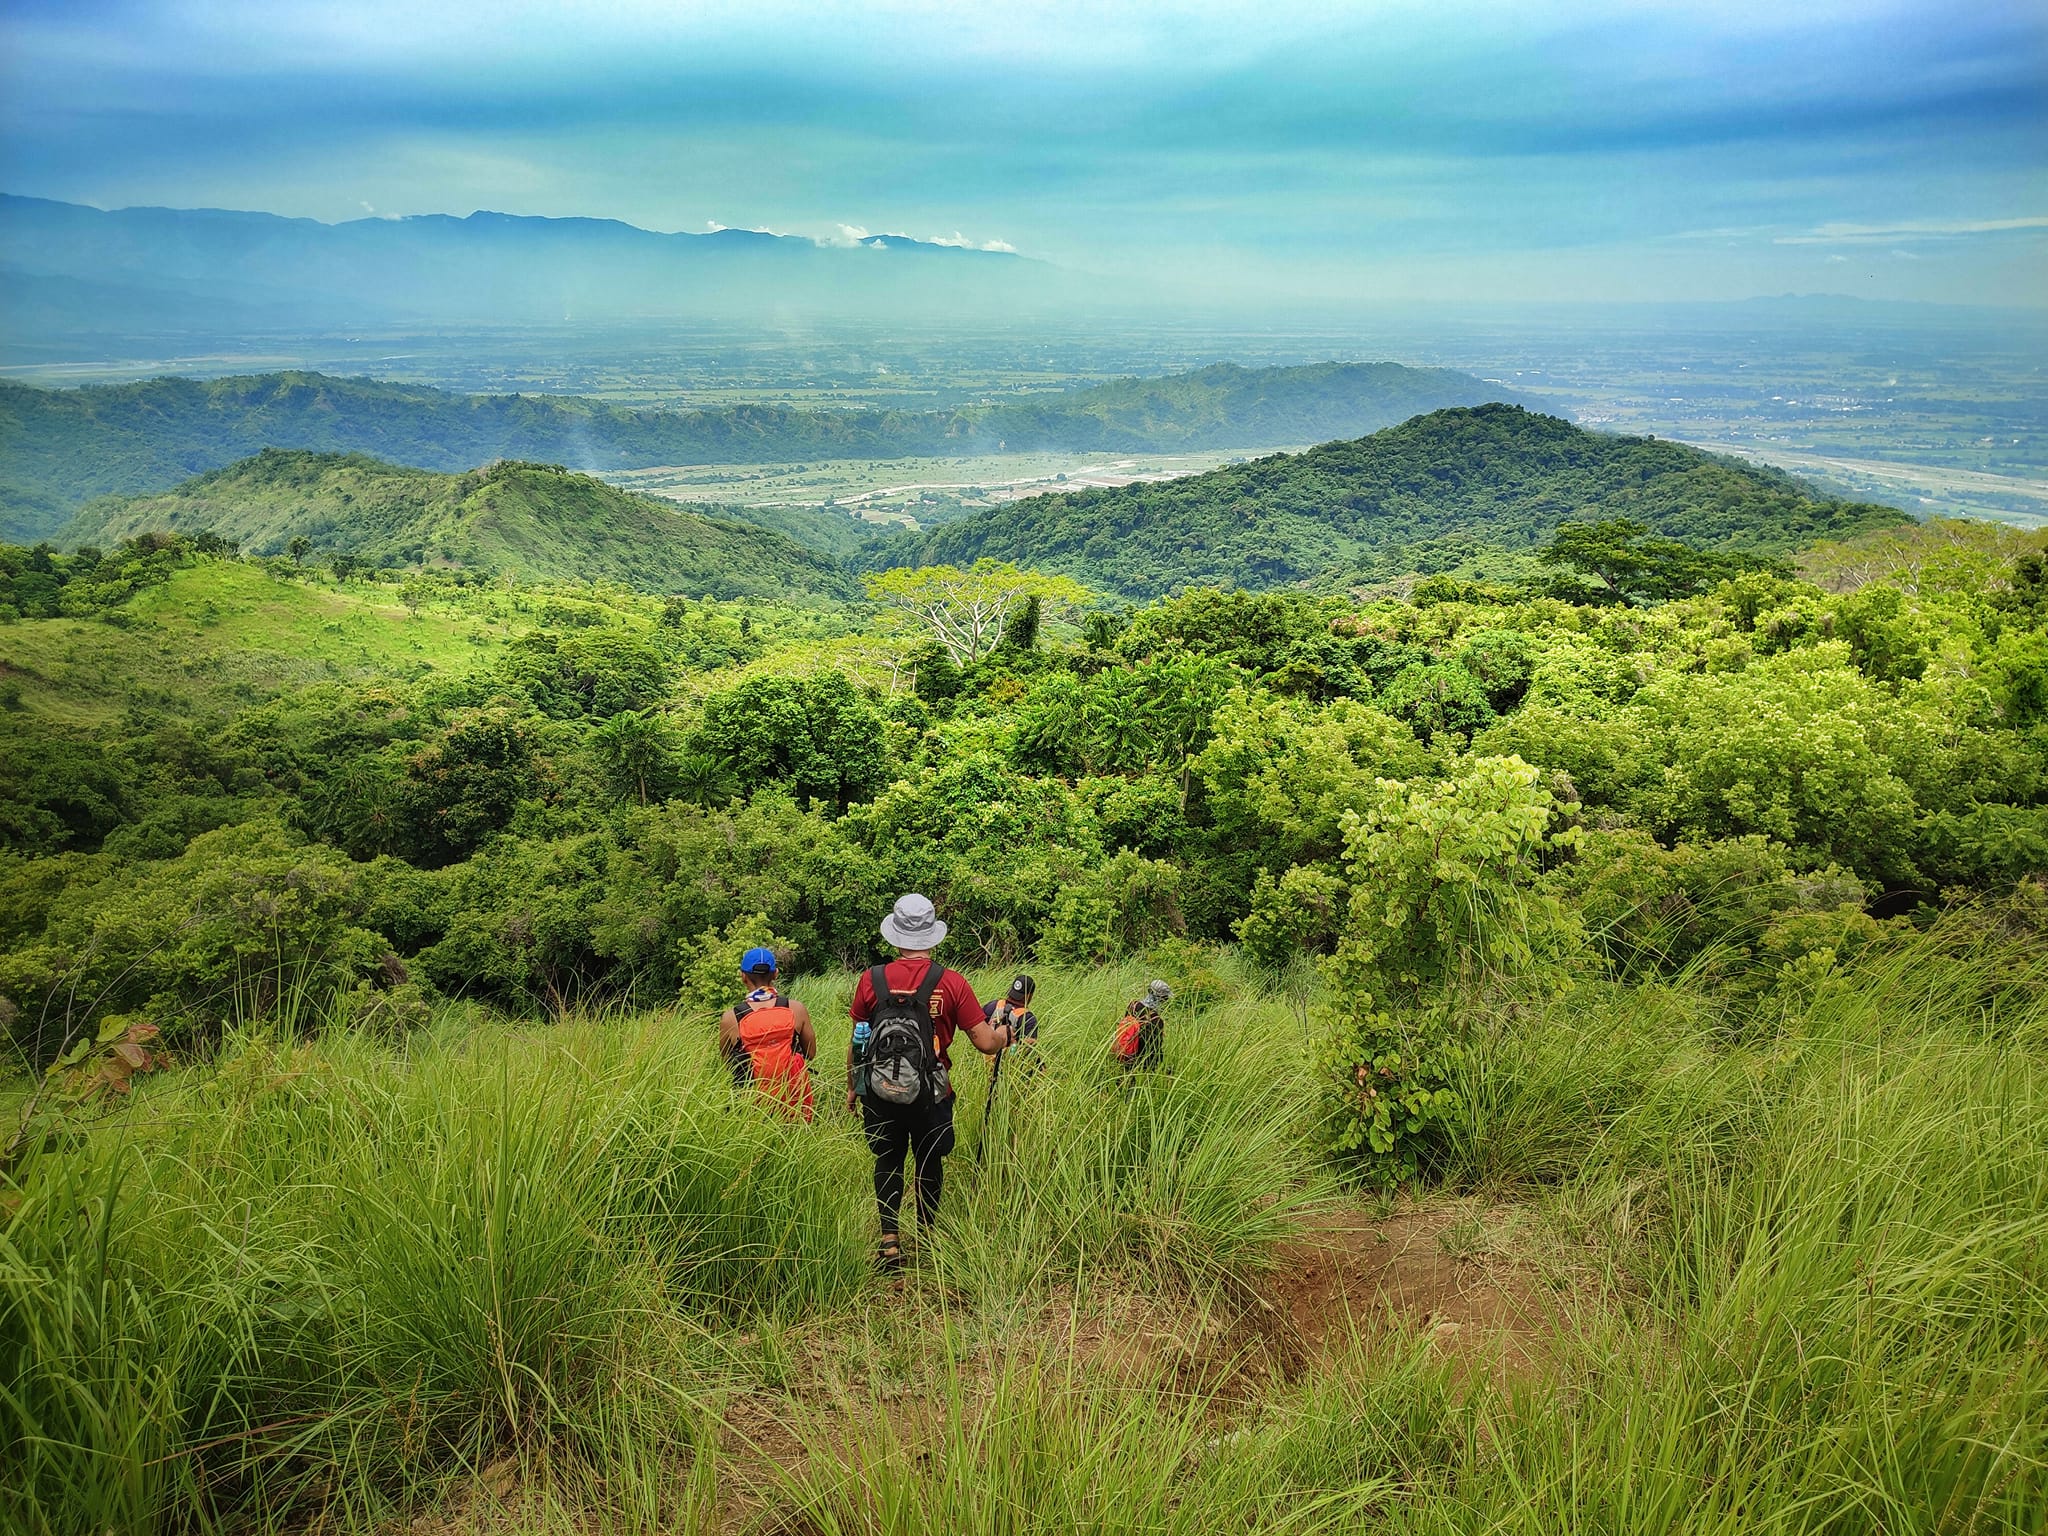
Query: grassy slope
<point x="1495" y="475"/>
<point x="61" y="448"/>
<point x="228" y="630"/>
<point x="538" y="521"/>
<point x="566" y="1247"/>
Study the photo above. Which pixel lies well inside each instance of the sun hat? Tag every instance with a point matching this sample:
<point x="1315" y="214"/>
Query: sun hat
<point x="757" y="960"/>
<point x="1158" y="992"/>
<point x="914" y="924"/>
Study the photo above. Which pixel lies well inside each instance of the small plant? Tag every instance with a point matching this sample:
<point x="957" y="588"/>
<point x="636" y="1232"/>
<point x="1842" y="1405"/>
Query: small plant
<point x="92" y="1072"/>
<point x="120" y="1050"/>
<point x="1389" y="1093"/>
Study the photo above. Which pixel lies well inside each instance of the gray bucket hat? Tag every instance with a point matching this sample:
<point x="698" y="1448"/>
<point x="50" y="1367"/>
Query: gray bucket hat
<point x="914" y="924"/>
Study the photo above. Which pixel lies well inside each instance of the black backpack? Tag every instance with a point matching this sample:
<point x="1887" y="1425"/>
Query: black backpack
<point x="902" y="1062"/>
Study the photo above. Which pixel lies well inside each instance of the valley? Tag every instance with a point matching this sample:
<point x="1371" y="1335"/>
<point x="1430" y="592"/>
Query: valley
<point x="1162" y="769"/>
<point x="914" y="493"/>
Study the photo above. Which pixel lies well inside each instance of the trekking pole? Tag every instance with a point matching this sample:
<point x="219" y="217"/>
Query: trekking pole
<point x="995" y="1075"/>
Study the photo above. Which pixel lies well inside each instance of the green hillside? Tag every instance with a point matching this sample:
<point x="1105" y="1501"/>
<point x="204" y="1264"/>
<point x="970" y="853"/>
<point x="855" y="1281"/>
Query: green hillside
<point x="1413" y="497"/>
<point x="538" y="521"/>
<point x="62" y="447"/>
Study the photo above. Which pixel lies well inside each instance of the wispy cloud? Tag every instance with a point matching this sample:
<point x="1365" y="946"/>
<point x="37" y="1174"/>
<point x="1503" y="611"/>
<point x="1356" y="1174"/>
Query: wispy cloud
<point x="1910" y="229"/>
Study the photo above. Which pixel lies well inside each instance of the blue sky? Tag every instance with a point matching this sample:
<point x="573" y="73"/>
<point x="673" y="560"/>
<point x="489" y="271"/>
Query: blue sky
<point x="1364" y="153"/>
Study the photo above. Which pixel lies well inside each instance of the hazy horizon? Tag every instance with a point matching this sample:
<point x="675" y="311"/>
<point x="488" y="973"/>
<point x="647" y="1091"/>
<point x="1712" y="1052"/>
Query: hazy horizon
<point x="1348" y="155"/>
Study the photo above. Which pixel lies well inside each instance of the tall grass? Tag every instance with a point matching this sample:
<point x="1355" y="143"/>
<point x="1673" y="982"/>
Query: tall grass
<point x="1185" y="1178"/>
<point x="305" y="1278"/>
<point x="316" y="1271"/>
<point x="307" y="1282"/>
<point x="1836" y="1224"/>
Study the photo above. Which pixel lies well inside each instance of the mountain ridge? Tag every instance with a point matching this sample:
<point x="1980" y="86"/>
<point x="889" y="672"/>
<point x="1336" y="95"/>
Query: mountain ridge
<point x="1407" y="498"/>
<point x="61" y="447"/>
<point x="170" y="266"/>
<point x="538" y="521"/>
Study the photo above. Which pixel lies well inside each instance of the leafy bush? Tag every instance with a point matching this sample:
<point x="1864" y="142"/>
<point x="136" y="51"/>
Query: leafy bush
<point x="1441" y="909"/>
<point x="1300" y="913"/>
<point x="817" y="737"/>
<point x="247" y="918"/>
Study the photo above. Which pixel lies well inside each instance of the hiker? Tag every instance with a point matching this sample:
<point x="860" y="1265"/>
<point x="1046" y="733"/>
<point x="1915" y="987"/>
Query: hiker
<point x="899" y="1066"/>
<point x="768" y="1037"/>
<point x="1014" y="1008"/>
<point x="1141" y="1032"/>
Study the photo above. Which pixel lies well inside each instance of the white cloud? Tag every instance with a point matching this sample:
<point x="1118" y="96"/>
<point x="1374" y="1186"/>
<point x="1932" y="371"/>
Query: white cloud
<point x="960" y="242"/>
<point x="1909" y="229"/>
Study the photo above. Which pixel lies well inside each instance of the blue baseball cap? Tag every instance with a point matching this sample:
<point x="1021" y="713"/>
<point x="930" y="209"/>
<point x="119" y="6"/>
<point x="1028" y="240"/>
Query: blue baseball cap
<point x="757" y="960"/>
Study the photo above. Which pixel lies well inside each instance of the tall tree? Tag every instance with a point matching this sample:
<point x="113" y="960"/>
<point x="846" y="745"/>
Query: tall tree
<point x="969" y="612"/>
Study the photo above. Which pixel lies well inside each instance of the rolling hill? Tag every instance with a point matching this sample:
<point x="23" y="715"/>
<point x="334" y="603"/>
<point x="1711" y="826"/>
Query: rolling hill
<point x="536" y="520"/>
<point x="1493" y="475"/>
<point x="61" y="447"/>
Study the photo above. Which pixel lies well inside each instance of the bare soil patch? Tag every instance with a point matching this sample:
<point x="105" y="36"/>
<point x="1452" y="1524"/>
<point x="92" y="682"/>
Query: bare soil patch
<point x="1463" y="1273"/>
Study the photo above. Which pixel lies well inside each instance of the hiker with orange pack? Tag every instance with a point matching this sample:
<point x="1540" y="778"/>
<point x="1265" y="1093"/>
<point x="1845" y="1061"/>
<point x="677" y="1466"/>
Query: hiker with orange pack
<point x="768" y="1037"/>
<point x="1140" y="1040"/>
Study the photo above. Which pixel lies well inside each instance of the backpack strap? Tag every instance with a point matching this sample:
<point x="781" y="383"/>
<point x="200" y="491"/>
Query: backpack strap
<point x="878" y="983"/>
<point x="934" y="973"/>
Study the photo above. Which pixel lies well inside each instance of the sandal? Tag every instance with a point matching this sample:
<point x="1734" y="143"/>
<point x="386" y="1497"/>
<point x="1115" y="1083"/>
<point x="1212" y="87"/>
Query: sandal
<point x="890" y="1254"/>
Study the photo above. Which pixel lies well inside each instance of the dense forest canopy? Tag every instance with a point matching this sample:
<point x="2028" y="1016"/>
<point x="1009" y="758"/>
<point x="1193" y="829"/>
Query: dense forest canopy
<point x="551" y="791"/>
<point x="1424" y="495"/>
<point x="532" y="520"/>
<point x="62" y="447"/>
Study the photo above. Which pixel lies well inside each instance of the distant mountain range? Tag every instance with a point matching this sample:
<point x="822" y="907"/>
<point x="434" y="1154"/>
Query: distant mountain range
<point x="60" y="448"/>
<point x="1411" y="497"/>
<point x="536" y="520"/>
<point x="67" y="270"/>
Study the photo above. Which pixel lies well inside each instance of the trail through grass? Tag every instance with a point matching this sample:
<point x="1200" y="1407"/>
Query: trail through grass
<point x="558" y="1277"/>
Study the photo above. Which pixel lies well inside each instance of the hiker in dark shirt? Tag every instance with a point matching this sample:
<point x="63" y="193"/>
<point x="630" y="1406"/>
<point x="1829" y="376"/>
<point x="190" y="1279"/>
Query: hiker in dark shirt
<point x="1014" y="1008"/>
<point x="1141" y="1032"/>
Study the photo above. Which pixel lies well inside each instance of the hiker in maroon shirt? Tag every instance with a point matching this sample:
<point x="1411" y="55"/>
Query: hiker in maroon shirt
<point x="899" y="1067"/>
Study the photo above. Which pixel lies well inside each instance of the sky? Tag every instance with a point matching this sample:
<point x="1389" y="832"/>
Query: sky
<point x="1368" y="153"/>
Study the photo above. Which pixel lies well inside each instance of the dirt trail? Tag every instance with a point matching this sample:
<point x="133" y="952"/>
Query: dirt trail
<point x="1464" y="1274"/>
<point x="1454" y="1272"/>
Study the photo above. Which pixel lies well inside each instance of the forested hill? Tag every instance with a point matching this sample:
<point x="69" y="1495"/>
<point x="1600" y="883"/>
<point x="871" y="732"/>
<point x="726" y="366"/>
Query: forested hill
<point x="1493" y="475"/>
<point x="61" y="448"/>
<point x="537" y="520"/>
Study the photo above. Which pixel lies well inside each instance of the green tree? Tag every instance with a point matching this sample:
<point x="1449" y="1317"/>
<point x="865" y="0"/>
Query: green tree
<point x="1630" y="566"/>
<point x="1441" y="907"/>
<point x="1437" y="698"/>
<point x="463" y="787"/>
<point x="969" y="612"/>
<point x="636" y="750"/>
<point x="818" y="737"/>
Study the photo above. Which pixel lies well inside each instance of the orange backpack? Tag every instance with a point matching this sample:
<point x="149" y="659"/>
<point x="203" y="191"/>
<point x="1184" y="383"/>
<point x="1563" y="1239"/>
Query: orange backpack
<point x="1130" y="1038"/>
<point x="775" y="1062"/>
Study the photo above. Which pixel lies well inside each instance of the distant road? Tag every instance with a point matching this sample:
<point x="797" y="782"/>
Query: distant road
<point x="1922" y="487"/>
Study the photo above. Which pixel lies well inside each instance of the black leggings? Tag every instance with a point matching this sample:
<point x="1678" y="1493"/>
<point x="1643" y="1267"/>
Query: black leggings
<point x="924" y="1132"/>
